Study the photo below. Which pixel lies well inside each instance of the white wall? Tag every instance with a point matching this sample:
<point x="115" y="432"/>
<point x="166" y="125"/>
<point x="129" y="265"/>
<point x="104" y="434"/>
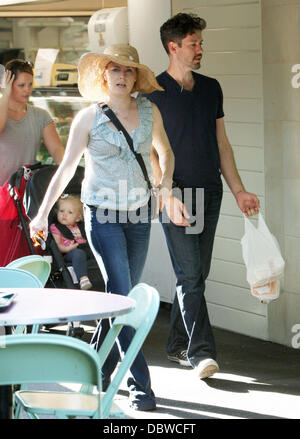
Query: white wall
<point x="281" y="50"/>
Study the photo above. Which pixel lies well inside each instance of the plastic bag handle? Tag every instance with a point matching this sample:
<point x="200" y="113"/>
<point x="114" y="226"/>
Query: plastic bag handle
<point x="262" y="224"/>
<point x="248" y="224"/>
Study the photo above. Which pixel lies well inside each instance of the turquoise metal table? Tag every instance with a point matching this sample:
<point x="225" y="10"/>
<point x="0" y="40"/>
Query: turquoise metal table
<point x="53" y="305"/>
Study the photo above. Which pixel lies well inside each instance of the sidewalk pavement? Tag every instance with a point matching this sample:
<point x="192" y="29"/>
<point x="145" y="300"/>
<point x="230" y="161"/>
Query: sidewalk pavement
<point x="257" y="379"/>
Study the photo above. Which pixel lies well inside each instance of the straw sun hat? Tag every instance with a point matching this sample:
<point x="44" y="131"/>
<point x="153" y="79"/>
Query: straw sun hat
<point x="92" y="65"/>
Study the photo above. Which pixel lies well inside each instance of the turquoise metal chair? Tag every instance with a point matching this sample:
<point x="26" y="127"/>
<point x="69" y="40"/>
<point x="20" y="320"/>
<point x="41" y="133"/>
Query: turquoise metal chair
<point x="141" y="319"/>
<point x="41" y="268"/>
<point x="17" y="278"/>
<point x="35" y="264"/>
<point x="49" y="357"/>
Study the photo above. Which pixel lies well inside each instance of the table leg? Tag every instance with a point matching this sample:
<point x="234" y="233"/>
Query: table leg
<point x="5" y="402"/>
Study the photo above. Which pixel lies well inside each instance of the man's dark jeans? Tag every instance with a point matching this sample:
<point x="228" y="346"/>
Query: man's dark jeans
<point x="190" y="327"/>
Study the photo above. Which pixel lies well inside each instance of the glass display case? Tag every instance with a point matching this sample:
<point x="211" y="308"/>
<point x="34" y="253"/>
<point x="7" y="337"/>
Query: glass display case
<point x="63" y="104"/>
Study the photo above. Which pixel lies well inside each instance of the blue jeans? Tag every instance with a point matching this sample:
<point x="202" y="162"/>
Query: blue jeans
<point x="190" y="327"/>
<point x="120" y="250"/>
<point x="78" y="258"/>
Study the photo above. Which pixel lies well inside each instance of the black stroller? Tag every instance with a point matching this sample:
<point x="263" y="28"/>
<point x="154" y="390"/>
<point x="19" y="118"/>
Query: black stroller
<point x="61" y="272"/>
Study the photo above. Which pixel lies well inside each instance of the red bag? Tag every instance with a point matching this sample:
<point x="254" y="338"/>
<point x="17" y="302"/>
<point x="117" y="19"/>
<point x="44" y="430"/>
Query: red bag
<point x="14" y="243"/>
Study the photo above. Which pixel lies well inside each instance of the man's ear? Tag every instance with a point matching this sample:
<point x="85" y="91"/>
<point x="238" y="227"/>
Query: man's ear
<point x="172" y="47"/>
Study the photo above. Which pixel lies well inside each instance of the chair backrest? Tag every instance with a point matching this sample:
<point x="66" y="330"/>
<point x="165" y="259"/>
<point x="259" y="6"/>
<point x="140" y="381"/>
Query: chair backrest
<point x="48" y="358"/>
<point x="147" y="303"/>
<point x="141" y="318"/>
<point x="16" y="278"/>
<point x="35" y="264"/>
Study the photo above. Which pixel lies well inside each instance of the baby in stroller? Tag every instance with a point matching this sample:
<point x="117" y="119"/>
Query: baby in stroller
<point x="68" y="233"/>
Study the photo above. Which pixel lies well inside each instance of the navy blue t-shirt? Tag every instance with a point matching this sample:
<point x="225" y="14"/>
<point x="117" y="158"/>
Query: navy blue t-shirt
<point x="190" y="123"/>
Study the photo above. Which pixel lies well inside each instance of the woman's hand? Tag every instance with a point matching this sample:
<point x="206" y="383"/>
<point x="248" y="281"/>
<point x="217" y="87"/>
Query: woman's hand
<point x="176" y="211"/>
<point x="39" y="224"/>
<point x="9" y="79"/>
<point x="71" y="247"/>
<point x="4" y="101"/>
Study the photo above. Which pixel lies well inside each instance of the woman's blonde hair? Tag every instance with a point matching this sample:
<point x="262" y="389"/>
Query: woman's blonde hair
<point x="75" y="199"/>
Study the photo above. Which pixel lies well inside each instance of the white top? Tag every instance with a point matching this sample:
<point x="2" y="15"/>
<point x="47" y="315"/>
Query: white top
<point x="53" y="305"/>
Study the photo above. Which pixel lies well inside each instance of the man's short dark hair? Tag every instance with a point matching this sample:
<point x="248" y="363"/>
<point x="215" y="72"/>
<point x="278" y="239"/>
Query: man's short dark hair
<point x="178" y="27"/>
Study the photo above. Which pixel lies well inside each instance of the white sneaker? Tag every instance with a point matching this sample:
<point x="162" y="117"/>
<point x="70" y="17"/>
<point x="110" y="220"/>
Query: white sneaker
<point x="207" y="368"/>
<point x="85" y="283"/>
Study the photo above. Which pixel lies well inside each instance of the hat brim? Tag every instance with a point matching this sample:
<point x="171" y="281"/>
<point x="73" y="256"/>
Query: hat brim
<point x="91" y="66"/>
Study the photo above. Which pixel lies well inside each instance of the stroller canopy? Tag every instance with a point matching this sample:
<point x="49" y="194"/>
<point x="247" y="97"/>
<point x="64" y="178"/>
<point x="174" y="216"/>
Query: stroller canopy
<point x="36" y="187"/>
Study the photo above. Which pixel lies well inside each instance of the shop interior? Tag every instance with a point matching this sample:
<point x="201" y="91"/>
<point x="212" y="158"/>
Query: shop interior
<point x="55" y="43"/>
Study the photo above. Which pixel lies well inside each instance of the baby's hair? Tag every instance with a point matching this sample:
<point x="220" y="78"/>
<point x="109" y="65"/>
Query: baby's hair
<point x="75" y="199"/>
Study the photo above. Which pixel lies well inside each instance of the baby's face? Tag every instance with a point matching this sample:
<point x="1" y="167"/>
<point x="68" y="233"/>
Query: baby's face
<point x="68" y="213"/>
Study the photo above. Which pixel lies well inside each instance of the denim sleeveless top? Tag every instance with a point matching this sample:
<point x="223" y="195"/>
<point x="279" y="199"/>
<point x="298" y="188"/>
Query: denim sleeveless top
<point x="113" y="178"/>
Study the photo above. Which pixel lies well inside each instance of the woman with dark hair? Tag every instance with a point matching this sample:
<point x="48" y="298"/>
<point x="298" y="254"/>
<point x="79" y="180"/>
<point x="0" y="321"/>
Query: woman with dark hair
<point x="23" y="126"/>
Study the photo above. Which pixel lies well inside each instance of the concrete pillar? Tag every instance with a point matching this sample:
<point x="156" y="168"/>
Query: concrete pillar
<point x="145" y="18"/>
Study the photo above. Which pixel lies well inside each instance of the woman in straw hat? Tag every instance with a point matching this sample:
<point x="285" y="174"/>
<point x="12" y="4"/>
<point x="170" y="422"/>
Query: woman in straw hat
<point x="114" y="189"/>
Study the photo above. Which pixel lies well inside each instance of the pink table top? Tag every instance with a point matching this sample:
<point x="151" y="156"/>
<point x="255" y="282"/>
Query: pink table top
<point x="53" y="305"/>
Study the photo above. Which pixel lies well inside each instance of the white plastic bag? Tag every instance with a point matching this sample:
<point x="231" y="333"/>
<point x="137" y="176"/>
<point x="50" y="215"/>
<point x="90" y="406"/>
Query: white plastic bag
<point x="263" y="260"/>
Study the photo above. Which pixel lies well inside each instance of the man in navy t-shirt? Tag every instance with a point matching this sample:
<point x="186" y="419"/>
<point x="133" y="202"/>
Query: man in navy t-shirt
<point x="192" y="109"/>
